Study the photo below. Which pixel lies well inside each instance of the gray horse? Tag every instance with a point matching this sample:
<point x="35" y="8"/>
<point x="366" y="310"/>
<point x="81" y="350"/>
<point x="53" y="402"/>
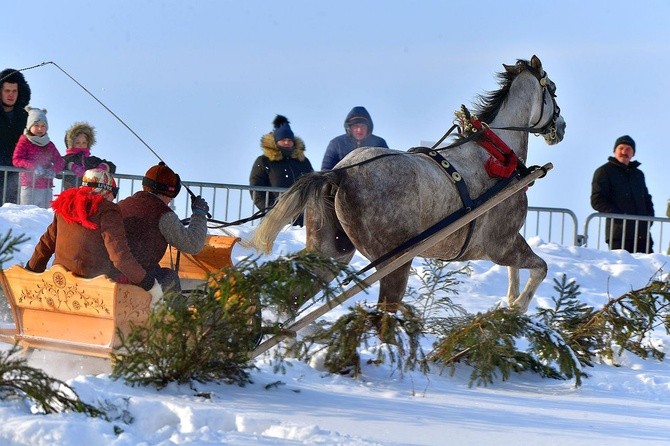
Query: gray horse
<point x="375" y="199"/>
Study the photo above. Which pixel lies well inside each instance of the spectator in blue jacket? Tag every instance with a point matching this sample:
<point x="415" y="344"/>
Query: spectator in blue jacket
<point x="358" y="127"/>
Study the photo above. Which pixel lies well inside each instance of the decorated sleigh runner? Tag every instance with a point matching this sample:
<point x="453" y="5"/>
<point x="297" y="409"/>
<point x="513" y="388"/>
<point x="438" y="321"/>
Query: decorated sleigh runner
<point x="56" y="310"/>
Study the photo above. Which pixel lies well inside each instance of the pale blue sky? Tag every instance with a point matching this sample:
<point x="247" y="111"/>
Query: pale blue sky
<point x="201" y="81"/>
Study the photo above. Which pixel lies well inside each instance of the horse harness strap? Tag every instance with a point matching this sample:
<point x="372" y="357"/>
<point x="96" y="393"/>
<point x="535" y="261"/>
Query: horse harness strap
<point x="451" y="172"/>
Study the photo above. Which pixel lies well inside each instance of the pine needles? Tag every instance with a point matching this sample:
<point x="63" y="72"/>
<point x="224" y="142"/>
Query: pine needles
<point x="50" y="395"/>
<point x="211" y="340"/>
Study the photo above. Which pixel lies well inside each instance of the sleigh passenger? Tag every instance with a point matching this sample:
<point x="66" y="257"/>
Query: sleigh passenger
<point x="87" y="235"/>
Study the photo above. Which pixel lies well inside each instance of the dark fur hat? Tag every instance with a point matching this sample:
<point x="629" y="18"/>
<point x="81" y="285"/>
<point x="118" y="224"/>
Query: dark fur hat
<point x="16" y="77"/>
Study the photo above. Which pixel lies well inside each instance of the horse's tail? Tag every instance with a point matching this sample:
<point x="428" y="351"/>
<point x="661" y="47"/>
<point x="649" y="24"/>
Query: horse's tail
<point x="308" y="189"/>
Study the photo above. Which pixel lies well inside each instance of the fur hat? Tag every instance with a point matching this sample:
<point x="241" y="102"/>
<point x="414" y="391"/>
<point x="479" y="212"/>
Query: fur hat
<point x="282" y="129"/>
<point x="101" y="181"/>
<point x="160" y="179"/>
<point x="625" y="139"/>
<point x="80" y="127"/>
<point x="36" y="115"/>
<point x="16" y="77"/>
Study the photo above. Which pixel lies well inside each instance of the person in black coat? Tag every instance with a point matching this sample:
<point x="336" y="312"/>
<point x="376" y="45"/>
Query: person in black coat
<point x="619" y="187"/>
<point x="282" y="162"/>
<point x="15" y="93"/>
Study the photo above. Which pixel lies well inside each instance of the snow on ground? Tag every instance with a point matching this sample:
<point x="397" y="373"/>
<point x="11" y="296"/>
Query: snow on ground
<point x="627" y="405"/>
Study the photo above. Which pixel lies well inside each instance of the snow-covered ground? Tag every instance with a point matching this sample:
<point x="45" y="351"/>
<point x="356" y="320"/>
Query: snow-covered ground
<point x="625" y="405"/>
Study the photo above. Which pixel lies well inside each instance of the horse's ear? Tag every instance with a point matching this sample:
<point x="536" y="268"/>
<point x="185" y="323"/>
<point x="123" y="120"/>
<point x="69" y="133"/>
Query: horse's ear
<point x="511" y="69"/>
<point x="536" y="64"/>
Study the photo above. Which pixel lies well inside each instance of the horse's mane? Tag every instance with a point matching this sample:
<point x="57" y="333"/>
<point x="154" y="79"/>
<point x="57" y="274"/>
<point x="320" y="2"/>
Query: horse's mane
<point x="488" y="104"/>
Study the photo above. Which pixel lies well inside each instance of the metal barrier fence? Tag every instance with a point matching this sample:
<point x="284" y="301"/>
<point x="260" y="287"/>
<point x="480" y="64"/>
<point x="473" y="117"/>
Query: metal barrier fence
<point x="232" y="202"/>
<point x="596" y="224"/>
<point x="556" y="225"/>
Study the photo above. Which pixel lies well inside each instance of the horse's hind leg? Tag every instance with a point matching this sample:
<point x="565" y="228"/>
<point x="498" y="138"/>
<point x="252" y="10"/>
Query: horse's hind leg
<point x="392" y="288"/>
<point x="326" y="237"/>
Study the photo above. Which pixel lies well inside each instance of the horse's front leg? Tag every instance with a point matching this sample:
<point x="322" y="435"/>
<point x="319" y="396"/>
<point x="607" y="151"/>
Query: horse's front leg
<point x="520" y="256"/>
<point x="513" y="284"/>
<point x="537" y="275"/>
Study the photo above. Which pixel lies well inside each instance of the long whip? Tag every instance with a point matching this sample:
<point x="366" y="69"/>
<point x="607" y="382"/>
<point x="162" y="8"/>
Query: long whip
<point x="103" y="105"/>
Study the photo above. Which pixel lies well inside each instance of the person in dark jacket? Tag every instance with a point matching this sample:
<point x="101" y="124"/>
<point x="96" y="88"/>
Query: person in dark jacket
<point x="282" y="162"/>
<point x="79" y="140"/>
<point x="619" y="187"/>
<point x="87" y="235"/>
<point x="15" y="94"/>
<point x="358" y="133"/>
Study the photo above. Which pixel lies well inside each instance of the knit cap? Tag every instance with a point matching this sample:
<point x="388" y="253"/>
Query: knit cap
<point x="36" y="115"/>
<point x="282" y="129"/>
<point x="625" y="139"/>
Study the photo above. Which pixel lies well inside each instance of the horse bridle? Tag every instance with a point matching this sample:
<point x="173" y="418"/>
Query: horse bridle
<point x="550" y="127"/>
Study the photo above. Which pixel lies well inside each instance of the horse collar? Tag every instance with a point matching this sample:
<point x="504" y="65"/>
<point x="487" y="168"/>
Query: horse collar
<point x="503" y="161"/>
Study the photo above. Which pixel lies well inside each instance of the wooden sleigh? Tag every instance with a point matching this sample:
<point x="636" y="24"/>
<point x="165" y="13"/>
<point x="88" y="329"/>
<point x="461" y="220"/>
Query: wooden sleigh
<point x="56" y="310"/>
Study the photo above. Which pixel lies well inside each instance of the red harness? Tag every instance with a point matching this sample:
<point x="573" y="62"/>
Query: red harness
<point x="503" y="161"/>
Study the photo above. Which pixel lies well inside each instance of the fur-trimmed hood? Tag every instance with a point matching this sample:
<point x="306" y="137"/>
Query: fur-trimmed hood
<point x="16" y="77"/>
<point x="273" y="152"/>
<point x="77" y="128"/>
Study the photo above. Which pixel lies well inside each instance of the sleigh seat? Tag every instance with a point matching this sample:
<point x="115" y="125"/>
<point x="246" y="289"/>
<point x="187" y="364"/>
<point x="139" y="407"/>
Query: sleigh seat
<point x="194" y="268"/>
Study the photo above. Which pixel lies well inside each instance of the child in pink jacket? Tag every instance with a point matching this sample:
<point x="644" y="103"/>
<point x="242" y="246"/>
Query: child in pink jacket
<point x="38" y="155"/>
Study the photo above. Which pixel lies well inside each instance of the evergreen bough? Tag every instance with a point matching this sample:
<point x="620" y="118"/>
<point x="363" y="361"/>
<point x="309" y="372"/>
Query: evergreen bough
<point x="209" y="338"/>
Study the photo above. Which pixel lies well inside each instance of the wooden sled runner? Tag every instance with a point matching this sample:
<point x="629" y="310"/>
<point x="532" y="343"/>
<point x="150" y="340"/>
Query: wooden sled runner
<point x="56" y="310"/>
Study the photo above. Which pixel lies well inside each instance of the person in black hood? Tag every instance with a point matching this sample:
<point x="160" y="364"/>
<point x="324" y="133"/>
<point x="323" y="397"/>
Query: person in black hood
<point x="619" y="187"/>
<point x="15" y="94"/>
<point x="358" y="133"/>
<point x="282" y="162"/>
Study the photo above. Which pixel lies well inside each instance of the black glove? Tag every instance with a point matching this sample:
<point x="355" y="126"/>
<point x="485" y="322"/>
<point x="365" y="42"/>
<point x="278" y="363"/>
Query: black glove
<point x="199" y="206"/>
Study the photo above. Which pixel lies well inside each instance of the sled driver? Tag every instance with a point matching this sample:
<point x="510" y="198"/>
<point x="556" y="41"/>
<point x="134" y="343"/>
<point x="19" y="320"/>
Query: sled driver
<point x="88" y="237"/>
<point x="151" y="225"/>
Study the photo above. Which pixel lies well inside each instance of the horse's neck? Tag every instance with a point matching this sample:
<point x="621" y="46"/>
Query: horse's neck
<point x="517" y="112"/>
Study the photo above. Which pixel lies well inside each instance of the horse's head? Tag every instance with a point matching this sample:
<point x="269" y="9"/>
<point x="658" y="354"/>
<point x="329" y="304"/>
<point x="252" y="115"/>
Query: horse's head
<point x="546" y="117"/>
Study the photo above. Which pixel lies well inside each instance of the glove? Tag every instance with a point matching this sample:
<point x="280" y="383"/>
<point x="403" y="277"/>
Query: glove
<point x="156" y="293"/>
<point x="45" y="172"/>
<point x="199" y="206"/>
<point x="78" y="169"/>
